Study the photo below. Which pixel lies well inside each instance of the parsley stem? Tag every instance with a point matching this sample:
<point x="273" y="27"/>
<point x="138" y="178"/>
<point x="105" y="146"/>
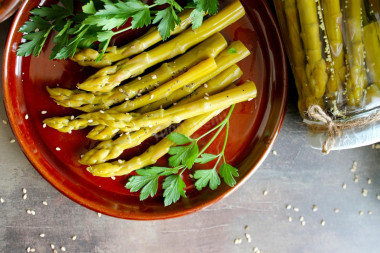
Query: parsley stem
<point x="123" y="30"/>
<point x="225" y="141"/>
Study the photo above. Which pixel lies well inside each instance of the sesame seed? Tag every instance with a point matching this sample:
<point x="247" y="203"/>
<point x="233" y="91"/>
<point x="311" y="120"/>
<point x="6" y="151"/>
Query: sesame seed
<point x="44" y="125"/>
<point x="42" y="235"/>
<point x="32" y="212"/>
<point x="12" y="141"/>
<point x="378" y="196"/>
<point x="28" y="211"/>
<point x="248" y="236"/>
<point x="274" y="152"/>
<point x="315" y="208"/>
<point x="336" y="210"/>
<point x="74" y="237"/>
<point x="296" y="209"/>
<point x="101" y="111"/>
<point x="44" y="203"/>
<point x="356" y="178"/>
<point x="2" y="200"/>
<point x="255" y="249"/>
<point x="113" y="178"/>
<point x="302" y="218"/>
<point x="288" y="206"/>
<point x="369" y="181"/>
<point x="52" y="246"/>
<point x="364" y="192"/>
<point x="205" y="85"/>
<point x="99" y="215"/>
<point x="25" y="196"/>
<point x="344" y="186"/>
<point x="32" y="250"/>
<point x="5" y="122"/>
<point x="26" y="116"/>
<point x="139" y="78"/>
<point x="151" y="96"/>
<point x="72" y="117"/>
<point x="360" y="212"/>
<point x="43" y="112"/>
<point x="90" y="121"/>
<point x="323" y="223"/>
<point x="206" y="97"/>
<point x="55" y="251"/>
<point x="63" y="249"/>
<point x="24" y="190"/>
<point x="121" y="90"/>
<point x="265" y="192"/>
<point x="238" y="241"/>
<point x="354" y="166"/>
<point x="120" y="161"/>
<point x="246" y="227"/>
<point x="154" y="77"/>
<point x="290" y="219"/>
<point x="28" y="249"/>
<point x="58" y="148"/>
<point x="370" y="212"/>
<point x="303" y="223"/>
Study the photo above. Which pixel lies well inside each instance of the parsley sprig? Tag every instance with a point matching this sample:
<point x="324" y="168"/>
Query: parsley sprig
<point x="100" y="20"/>
<point x="184" y="155"/>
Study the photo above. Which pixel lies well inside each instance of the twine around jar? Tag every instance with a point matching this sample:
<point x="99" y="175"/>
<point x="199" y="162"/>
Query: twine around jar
<point x="332" y="128"/>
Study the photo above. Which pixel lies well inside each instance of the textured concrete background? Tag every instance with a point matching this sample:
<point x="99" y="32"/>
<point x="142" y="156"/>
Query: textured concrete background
<point x="297" y="175"/>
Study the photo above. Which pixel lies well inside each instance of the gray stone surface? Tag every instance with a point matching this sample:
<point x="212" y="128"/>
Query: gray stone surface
<point x="297" y="175"/>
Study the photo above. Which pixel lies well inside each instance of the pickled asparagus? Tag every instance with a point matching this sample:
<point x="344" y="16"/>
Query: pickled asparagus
<point x="65" y="124"/>
<point x="109" y="149"/>
<point x="372" y="47"/>
<point x="356" y="82"/>
<point x="89" y="102"/>
<point x="109" y="77"/>
<point x="88" y="56"/>
<point x="149" y="157"/>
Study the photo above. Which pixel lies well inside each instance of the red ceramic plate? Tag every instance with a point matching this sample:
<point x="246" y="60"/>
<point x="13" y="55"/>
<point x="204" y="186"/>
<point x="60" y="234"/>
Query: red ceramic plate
<point x="254" y="124"/>
<point x="7" y="8"/>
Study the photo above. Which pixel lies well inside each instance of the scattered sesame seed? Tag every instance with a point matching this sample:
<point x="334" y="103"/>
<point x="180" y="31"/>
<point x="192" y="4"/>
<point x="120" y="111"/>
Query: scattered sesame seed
<point x="52" y="246"/>
<point x="356" y="178"/>
<point x="303" y="223"/>
<point x="32" y="250"/>
<point x="55" y="251"/>
<point x="205" y="85"/>
<point x="249" y="99"/>
<point x="63" y="249"/>
<point x="74" y="237"/>
<point x="173" y="104"/>
<point x="113" y="178"/>
<point x="24" y="190"/>
<point x="28" y="211"/>
<point x="274" y="152"/>
<point x="323" y="222"/>
<point x="44" y="125"/>
<point x="238" y="241"/>
<point x="24" y="196"/>
<point x="26" y="116"/>
<point x="32" y="212"/>
<point x="72" y="117"/>
<point x="302" y="218"/>
<point x="120" y="161"/>
<point x="378" y="196"/>
<point x="296" y="209"/>
<point x="290" y="219"/>
<point x="2" y="200"/>
<point x="255" y="249"/>
<point x="121" y="90"/>
<point x="43" y="112"/>
<point x="58" y="148"/>
<point x="28" y="249"/>
<point x="246" y="227"/>
<point x="360" y="212"/>
<point x="99" y="215"/>
<point x="336" y="210"/>
<point x="139" y="78"/>
<point x="42" y="235"/>
<point x="101" y="111"/>
<point x="90" y="121"/>
<point x="315" y="208"/>
<point x="354" y="166"/>
<point x="370" y="212"/>
<point x="5" y="122"/>
<point x="364" y="192"/>
<point x="44" y="203"/>
<point x="206" y="97"/>
<point x="344" y="186"/>
<point x="248" y="236"/>
<point x="369" y="181"/>
<point x="12" y="141"/>
<point x="154" y="76"/>
<point x="265" y="192"/>
<point x="151" y="96"/>
<point x="288" y="206"/>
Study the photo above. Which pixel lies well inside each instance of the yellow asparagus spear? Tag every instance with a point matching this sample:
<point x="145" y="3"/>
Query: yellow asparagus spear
<point x="149" y="157"/>
<point x="111" y="149"/>
<point x="244" y="92"/>
<point x="65" y="124"/>
<point x="372" y="47"/>
<point x="102" y="132"/>
<point x="316" y="66"/>
<point x="357" y="79"/>
<point x="88" y="56"/>
<point x="223" y="61"/>
<point x="89" y="102"/>
<point x="110" y="77"/>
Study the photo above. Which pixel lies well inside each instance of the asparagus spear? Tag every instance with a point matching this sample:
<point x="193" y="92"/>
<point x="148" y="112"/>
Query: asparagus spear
<point x="88" y="56"/>
<point x="188" y="127"/>
<point x="372" y="47"/>
<point x="111" y="149"/>
<point x="65" y="123"/>
<point x="110" y="77"/>
<point x="223" y="61"/>
<point x="333" y="22"/>
<point x="89" y="102"/>
<point x="246" y="91"/>
<point x="357" y="79"/>
<point x="102" y="132"/>
<point x="316" y="66"/>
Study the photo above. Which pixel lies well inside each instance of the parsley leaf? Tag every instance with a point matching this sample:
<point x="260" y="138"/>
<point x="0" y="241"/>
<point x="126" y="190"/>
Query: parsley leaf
<point x="228" y="172"/>
<point x="185" y="155"/>
<point x="167" y="20"/>
<point x="179" y="139"/>
<point x="173" y="189"/>
<point x="205" y="158"/>
<point x="52" y="13"/>
<point x="197" y="17"/>
<point x="209" y="6"/>
<point x="206" y="177"/>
